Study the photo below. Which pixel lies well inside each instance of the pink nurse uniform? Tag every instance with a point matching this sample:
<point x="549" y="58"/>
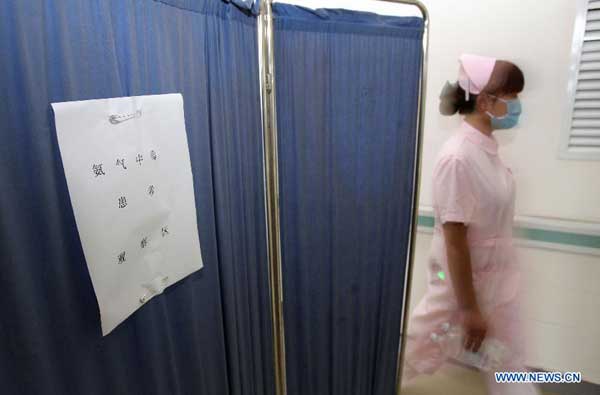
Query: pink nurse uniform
<point x="471" y="185"/>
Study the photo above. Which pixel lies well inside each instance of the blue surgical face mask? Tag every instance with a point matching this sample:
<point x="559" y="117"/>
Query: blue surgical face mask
<point x="511" y="118"/>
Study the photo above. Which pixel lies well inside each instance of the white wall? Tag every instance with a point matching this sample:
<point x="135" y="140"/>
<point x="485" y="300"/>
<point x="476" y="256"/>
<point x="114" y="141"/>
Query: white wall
<point x="563" y="295"/>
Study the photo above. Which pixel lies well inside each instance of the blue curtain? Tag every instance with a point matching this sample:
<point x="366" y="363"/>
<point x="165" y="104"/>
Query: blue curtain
<point x="347" y="95"/>
<point x="208" y="334"/>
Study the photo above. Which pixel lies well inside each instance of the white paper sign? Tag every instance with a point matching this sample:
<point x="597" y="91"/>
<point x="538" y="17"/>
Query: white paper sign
<point x="128" y="170"/>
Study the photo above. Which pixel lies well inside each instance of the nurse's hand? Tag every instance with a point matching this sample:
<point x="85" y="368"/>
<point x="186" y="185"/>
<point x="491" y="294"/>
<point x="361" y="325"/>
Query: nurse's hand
<point x="475" y="328"/>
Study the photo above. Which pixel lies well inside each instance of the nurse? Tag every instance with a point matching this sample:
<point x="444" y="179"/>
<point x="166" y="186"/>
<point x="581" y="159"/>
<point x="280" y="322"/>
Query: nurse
<point x="473" y="274"/>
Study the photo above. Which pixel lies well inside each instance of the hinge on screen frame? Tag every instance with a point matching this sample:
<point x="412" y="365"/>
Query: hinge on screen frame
<point x="269" y="82"/>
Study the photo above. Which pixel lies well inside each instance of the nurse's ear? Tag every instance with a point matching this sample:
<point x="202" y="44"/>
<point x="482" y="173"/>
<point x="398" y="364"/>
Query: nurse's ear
<point x="484" y="103"/>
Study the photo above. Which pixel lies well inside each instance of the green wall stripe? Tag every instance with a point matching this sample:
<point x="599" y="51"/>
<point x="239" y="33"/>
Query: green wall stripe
<point x="557" y="237"/>
<point x="547" y="236"/>
<point x="426" y="221"/>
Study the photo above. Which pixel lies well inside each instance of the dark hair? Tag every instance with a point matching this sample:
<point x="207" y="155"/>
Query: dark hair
<point x="453" y="100"/>
<point x="506" y="78"/>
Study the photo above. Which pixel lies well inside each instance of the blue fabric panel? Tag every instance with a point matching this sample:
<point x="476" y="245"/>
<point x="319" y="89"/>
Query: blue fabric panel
<point x="347" y="96"/>
<point x="208" y="334"/>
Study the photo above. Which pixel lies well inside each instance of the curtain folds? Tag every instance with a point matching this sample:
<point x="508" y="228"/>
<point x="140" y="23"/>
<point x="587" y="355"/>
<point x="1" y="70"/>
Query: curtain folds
<point x="347" y="99"/>
<point x="208" y="334"/>
<point x="347" y="96"/>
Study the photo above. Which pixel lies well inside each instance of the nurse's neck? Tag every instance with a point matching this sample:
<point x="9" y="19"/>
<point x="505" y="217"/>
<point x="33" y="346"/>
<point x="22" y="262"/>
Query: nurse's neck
<point x="480" y="122"/>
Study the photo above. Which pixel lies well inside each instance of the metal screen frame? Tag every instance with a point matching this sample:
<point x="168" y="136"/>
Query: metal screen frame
<point x="266" y="58"/>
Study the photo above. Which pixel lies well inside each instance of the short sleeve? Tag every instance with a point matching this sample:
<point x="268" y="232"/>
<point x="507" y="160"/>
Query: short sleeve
<point x="453" y="195"/>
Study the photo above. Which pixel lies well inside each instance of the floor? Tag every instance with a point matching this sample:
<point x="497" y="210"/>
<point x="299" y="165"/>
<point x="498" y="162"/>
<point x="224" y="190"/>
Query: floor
<point x="451" y="380"/>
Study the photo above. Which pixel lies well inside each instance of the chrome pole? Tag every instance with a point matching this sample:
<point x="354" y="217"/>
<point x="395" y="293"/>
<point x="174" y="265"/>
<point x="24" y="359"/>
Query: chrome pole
<point x="266" y="60"/>
<point x="416" y="189"/>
